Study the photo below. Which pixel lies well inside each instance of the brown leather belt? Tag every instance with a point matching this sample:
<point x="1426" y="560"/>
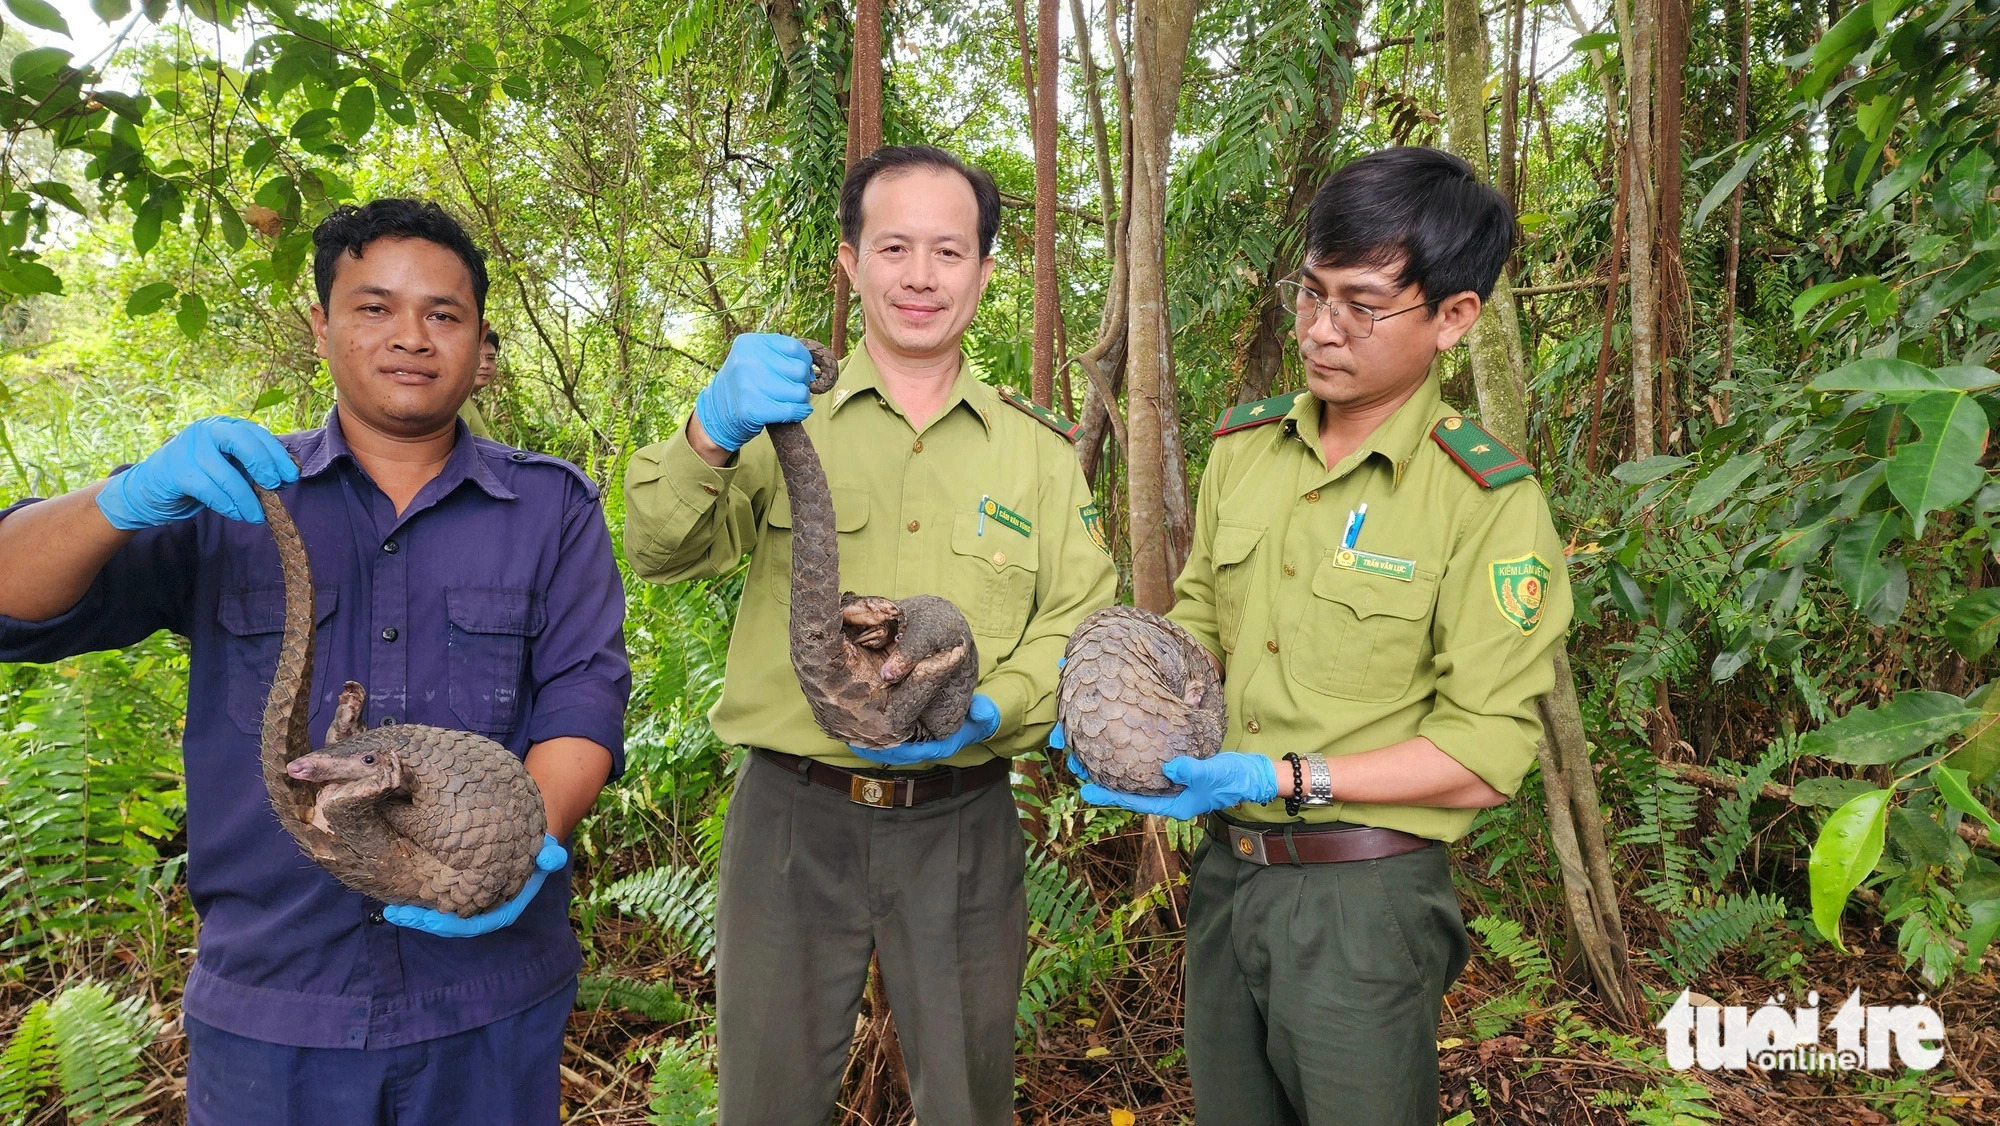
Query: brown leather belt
<point x="886" y="790"/>
<point x="1312" y="844"/>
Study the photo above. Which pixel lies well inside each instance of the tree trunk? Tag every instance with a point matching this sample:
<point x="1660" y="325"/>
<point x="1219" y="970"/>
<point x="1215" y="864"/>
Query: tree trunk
<point x="1160" y="33"/>
<point x="864" y="131"/>
<point x="1606" y="347"/>
<point x="1576" y="823"/>
<point x="1635" y="36"/>
<point x="1046" y="309"/>
<point x="1104" y="365"/>
<point x="1510" y="105"/>
<point x="1733" y="244"/>
<point x="1670" y="62"/>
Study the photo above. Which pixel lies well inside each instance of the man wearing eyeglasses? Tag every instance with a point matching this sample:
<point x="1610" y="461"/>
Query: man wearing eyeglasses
<point x="1379" y="579"/>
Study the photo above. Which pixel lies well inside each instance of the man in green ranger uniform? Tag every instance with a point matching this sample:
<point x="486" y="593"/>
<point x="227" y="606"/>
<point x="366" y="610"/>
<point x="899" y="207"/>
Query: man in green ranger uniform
<point x="1380" y="581"/>
<point x="941" y="485"/>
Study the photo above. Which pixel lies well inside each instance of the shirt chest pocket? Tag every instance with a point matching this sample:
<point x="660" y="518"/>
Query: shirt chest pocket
<point x="991" y="577"/>
<point x="774" y="553"/>
<point x="486" y="647"/>
<point x="254" y="619"/>
<point x="1231" y="557"/>
<point x="1362" y="636"/>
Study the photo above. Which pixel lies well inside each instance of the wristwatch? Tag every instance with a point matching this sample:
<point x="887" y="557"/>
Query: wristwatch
<point x="1319" y="782"/>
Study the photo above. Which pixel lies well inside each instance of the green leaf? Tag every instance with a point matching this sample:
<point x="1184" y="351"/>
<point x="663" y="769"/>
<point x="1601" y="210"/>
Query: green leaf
<point x="1920" y="837"/>
<point x="572" y="9"/>
<point x="270" y="398"/>
<point x="1903" y="726"/>
<point x="111" y="11"/>
<point x="1801" y="545"/>
<point x="1849" y="844"/>
<point x="1941" y="468"/>
<point x="455" y="113"/>
<point x="1826" y="291"/>
<point x="1597" y="41"/>
<point x="59" y="192"/>
<point x="147" y="299"/>
<point x="24" y="277"/>
<point x="1857" y="555"/>
<point x="39" y="62"/>
<point x="1727" y="185"/>
<point x="39" y="13"/>
<point x="233" y="231"/>
<point x="1712" y="489"/>
<point x="1953" y="787"/>
<point x="419" y="57"/>
<point x="1626" y="593"/>
<point x="1885" y="376"/>
<point x="1973" y="625"/>
<point x="1649" y="470"/>
<point x="146" y="225"/>
<point x="1979" y="755"/>
<point x="193" y="316"/>
<point x="1830" y="792"/>
<point x="479" y="55"/>
<point x="357" y="112"/>
<point x="1985" y="925"/>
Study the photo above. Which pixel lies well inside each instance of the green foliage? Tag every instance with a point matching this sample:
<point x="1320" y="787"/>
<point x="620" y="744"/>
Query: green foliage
<point x="82" y="1047"/>
<point x="683" y="1087"/>
<point x="1697" y="938"/>
<point x="1068" y="941"/>
<point x="1849" y="844"/>
<point x="680" y="900"/>
<point x="654" y="1000"/>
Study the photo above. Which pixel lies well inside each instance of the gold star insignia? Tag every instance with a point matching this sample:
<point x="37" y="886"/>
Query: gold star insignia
<point x="1482" y="448"/>
<point x="1256" y="410"/>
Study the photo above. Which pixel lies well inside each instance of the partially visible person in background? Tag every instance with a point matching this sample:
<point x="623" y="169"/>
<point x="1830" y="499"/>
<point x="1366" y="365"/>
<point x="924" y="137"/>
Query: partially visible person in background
<point x="489" y="367"/>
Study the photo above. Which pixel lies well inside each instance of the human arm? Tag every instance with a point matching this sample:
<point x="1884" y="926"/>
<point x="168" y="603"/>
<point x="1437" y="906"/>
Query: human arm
<point x="570" y="771"/>
<point x="50" y="552"/>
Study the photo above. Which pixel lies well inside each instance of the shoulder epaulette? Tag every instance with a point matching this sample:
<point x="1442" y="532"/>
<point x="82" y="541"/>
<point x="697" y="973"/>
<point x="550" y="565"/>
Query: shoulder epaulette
<point x="1484" y="458"/>
<point x="1246" y="415"/>
<point x="1040" y="413"/>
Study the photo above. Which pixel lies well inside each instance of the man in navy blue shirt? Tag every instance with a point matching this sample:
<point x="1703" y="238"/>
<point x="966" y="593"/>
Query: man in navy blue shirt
<point x="465" y="585"/>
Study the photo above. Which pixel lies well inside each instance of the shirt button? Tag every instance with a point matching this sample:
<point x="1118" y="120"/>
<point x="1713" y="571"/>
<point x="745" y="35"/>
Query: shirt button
<point x="388" y="721"/>
<point x="375" y="917"/>
<point x="917" y="447"/>
<point x="1271" y="645"/>
<point x="913" y="525"/>
<point x="711" y="490"/>
<point x="391" y="546"/>
<point x="518" y="455"/>
<point x="389" y="634"/>
<point x="1251" y="727"/>
<point x="999" y="559"/>
<point x="1312" y="497"/>
<point x="1291" y="570"/>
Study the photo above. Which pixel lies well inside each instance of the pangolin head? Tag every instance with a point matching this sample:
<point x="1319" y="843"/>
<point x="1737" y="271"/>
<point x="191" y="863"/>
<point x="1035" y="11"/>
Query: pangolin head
<point x="350" y="773"/>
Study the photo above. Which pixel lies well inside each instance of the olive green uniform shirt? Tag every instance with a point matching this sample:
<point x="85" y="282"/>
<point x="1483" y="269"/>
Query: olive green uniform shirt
<point x="908" y="507"/>
<point x="474" y="421"/>
<point x="1440" y="622"/>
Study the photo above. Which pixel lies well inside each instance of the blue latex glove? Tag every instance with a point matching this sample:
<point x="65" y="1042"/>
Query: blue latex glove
<point x="1227" y="779"/>
<point x="191" y="472"/>
<point x="550" y="859"/>
<point x="762" y="381"/>
<point x="982" y="719"/>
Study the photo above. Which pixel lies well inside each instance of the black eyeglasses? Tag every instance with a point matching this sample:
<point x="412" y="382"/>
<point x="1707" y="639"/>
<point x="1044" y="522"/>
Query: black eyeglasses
<point x="1353" y="321"/>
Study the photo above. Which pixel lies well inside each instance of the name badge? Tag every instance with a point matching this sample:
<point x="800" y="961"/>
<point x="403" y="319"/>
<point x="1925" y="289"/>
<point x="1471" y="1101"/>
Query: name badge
<point x="1001" y="514"/>
<point x="1371" y="563"/>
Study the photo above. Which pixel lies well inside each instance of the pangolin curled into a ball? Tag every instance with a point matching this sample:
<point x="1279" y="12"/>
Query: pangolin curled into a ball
<point x="877" y="672"/>
<point x="404" y="814"/>
<point x="1137" y="690"/>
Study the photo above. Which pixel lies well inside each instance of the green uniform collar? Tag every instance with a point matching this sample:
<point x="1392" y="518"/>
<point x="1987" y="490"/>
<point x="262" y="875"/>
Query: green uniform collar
<point x="859" y="379"/>
<point x="1396" y="441"/>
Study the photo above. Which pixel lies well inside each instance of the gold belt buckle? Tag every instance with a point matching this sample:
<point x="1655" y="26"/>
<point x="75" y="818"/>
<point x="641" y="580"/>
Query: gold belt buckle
<point x="1247" y="845"/>
<point x="878" y="792"/>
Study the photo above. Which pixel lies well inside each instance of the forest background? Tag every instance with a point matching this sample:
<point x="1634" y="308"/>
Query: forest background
<point x="1746" y="337"/>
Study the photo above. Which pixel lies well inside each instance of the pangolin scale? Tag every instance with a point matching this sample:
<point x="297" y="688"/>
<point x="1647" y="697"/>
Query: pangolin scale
<point x="405" y="814"/>
<point x="1137" y="690"/>
<point x="877" y="672"/>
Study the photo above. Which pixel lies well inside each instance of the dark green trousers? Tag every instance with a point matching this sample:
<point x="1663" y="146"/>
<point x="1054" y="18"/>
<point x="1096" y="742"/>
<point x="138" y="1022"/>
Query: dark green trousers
<point x="811" y="884"/>
<point x="1313" y="992"/>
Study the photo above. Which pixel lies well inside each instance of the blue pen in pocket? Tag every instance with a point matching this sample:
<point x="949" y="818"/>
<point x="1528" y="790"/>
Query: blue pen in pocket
<point x="1354" y="521"/>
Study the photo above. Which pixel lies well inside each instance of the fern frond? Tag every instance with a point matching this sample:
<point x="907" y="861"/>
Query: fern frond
<point x="1694" y="942"/>
<point x="98" y="1040"/>
<point x="654" y="1000"/>
<point x="1732" y="817"/>
<point x="683" y="1088"/>
<point x="1505" y="940"/>
<point x="680" y="899"/>
<point x="27" y="1066"/>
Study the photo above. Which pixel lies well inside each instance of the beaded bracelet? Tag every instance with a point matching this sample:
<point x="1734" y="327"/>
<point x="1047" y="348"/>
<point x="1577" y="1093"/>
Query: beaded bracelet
<point x="1298" y="784"/>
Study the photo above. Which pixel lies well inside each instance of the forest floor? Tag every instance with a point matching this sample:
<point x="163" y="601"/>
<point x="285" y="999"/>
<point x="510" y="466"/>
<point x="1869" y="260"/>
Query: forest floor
<point x="1539" y="1062"/>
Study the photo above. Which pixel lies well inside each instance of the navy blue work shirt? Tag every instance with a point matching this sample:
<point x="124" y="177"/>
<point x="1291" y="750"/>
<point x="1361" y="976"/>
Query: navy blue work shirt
<point x="492" y="604"/>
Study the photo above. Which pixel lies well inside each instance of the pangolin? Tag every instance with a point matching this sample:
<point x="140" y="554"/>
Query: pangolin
<point x="1137" y="690"/>
<point x="877" y="672"/>
<point x="404" y="814"/>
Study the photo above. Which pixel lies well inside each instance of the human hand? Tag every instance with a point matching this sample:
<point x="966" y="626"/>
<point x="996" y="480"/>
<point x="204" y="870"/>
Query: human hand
<point x="1218" y="782"/>
<point x="762" y="381"/>
<point x="982" y="719"/>
<point x="550" y="859"/>
<point x="193" y="471"/>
